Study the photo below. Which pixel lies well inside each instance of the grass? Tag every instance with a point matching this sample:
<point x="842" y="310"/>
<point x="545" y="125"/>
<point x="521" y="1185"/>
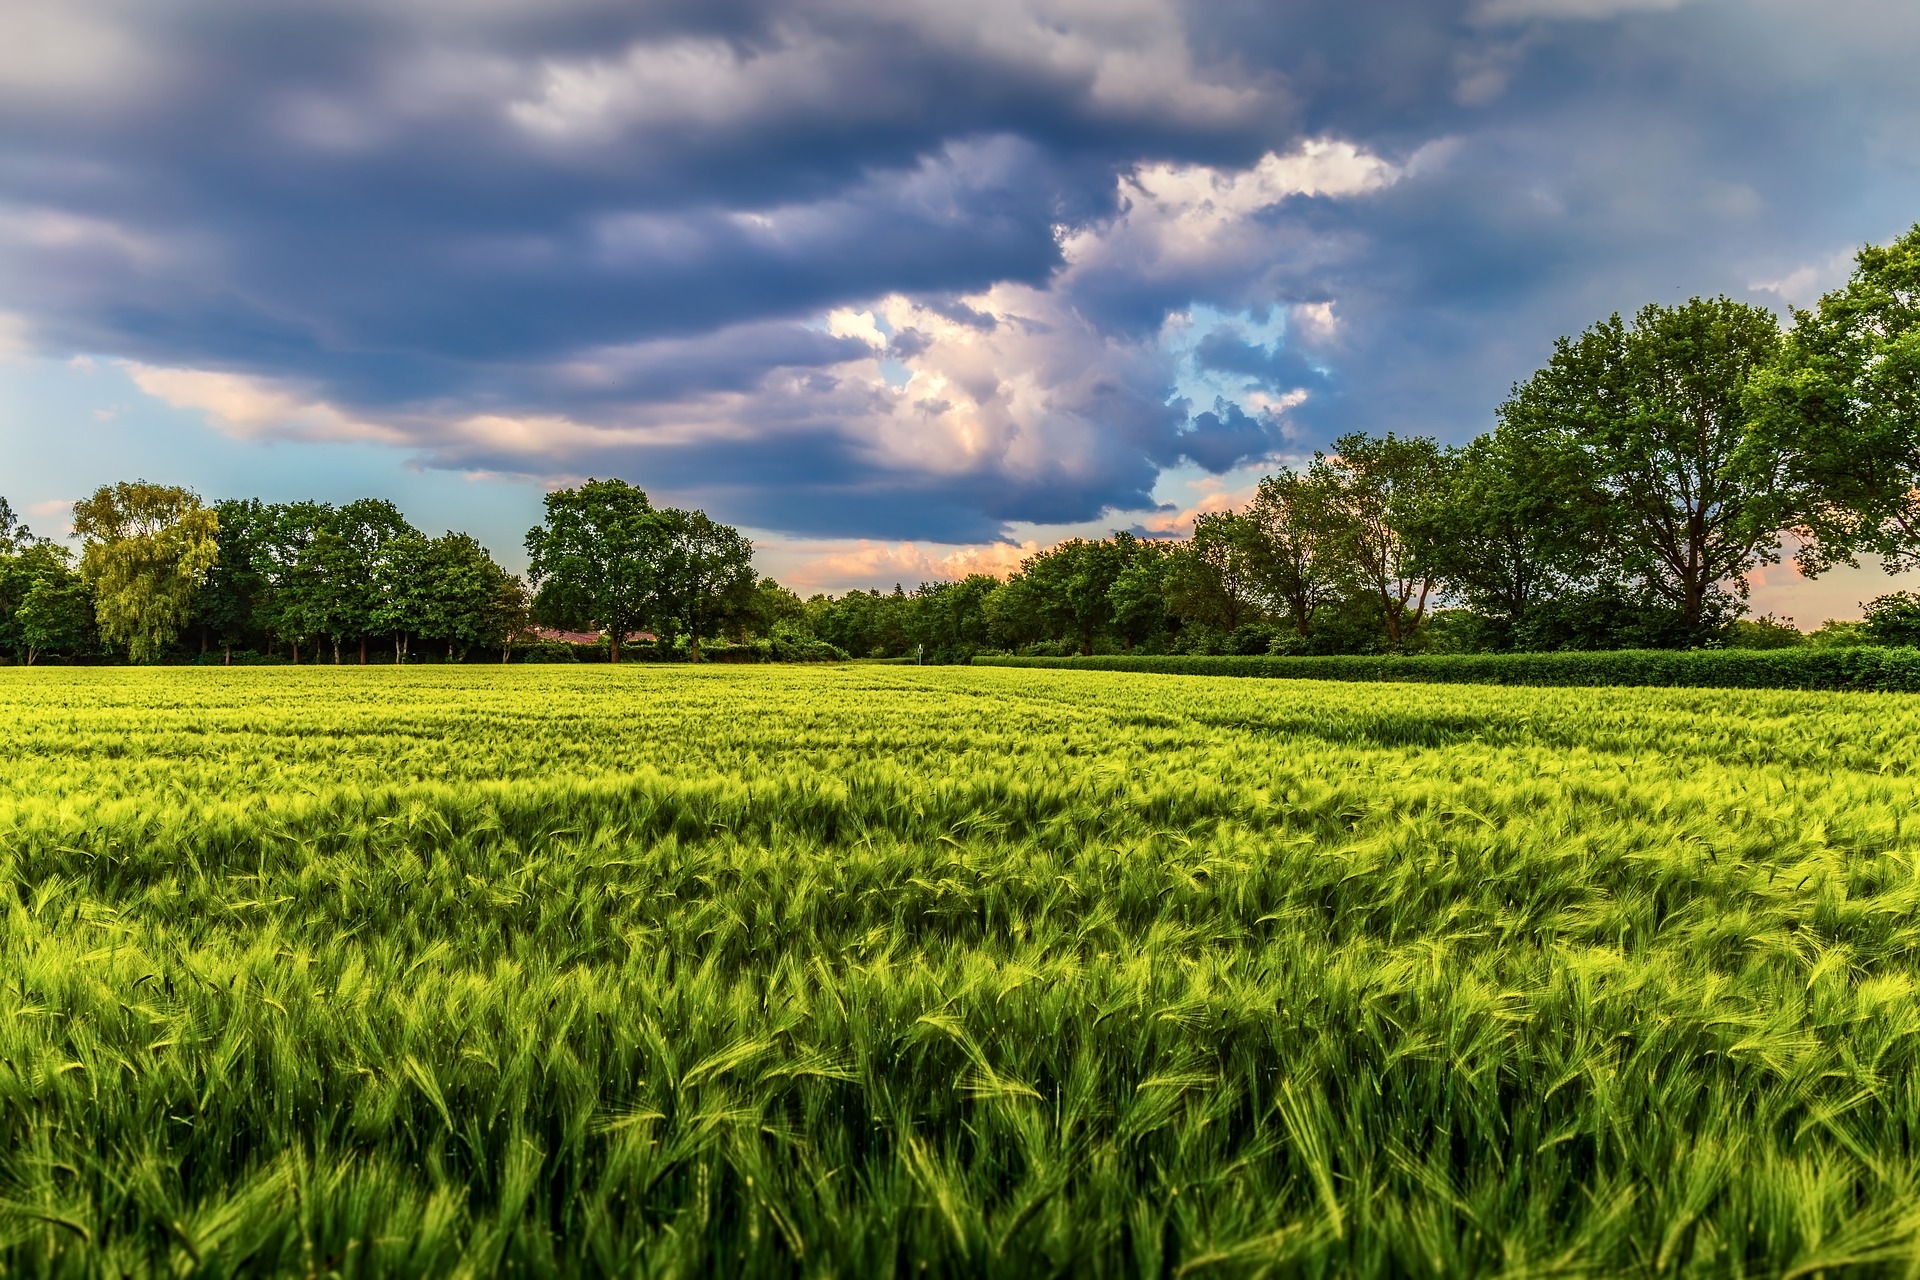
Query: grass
<point x="866" y="969"/>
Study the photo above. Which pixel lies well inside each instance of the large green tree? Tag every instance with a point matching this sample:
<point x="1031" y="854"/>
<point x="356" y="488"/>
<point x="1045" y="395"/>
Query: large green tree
<point x="1651" y="418"/>
<point x="593" y="561"/>
<point x="235" y="601"/>
<point x="44" y="606"/>
<point x="949" y="620"/>
<point x="702" y="577"/>
<point x="1296" y="546"/>
<point x="353" y="550"/>
<point x="147" y="548"/>
<point x="302" y="597"/>
<point x="1508" y="528"/>
<point x="461" y="596"/>
<point x="1139" y="591"/>
<point x="57" y="614"/>
<point x="1379" y="490"/>
<point x="1211" y="579"/>
<point x="402" y="586"/>
<point x="1842" y="406"/>
<point x="1070" y="589"/>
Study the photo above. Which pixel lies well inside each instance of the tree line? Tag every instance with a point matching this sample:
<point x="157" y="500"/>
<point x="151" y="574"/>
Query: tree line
<point x="1623" y="498"/>
<point x="161" y="575"/>
<point x="1625" y="494"/>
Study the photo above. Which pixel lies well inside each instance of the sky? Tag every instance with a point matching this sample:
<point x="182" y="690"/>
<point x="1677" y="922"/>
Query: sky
<point x="904" y="288"/>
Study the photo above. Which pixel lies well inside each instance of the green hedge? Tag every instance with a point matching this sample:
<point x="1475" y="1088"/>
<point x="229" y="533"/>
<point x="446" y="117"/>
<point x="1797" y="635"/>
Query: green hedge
<point x="1837" y="668"/>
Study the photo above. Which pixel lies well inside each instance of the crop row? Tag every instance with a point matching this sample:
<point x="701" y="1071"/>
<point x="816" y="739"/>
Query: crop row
<point x="779" y="970"/>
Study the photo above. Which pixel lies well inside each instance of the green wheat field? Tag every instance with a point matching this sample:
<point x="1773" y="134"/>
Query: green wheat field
<point x="863" y="970"/>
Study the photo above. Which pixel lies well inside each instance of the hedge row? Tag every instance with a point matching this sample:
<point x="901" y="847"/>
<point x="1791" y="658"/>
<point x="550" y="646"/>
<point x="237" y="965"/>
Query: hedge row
<point x="1837" y="668"/>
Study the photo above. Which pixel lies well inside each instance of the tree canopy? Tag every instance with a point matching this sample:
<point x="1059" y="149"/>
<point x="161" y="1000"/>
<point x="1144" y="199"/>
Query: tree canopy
<point x="1841" y="407"/>
<point x="1624" y="494"/>
<point x="594" y="559"/>
<point x="147" y="548"/>
<point x="1649" y="421"/>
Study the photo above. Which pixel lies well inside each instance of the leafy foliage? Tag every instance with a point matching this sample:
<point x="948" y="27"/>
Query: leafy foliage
<point x="148" y="547"/>
<point x="1894" y="619"/>
<point x="1649" y="419"/>
<point x="594" y="559"/>
<point x="1842" y="405"/>
<point x="702" y="577"/>
<point x="1810" y="666"/>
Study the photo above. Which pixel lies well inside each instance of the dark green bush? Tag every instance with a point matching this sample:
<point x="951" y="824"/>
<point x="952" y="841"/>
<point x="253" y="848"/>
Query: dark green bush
<point x="546" y="651"/>
<point x="1894" y="619"/>
<point x="1862" y="667"/>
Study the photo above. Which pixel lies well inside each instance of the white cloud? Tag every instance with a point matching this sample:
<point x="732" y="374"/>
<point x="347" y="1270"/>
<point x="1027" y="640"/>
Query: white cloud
<point x="1316" y="321"/>
<point x="1211" y="198"/>
<point x="1803" y="285"/>
<point x="1567" y="10"/>
<point x="14" y="344"/>
<point x="66" y="50"/>
<point x="846" y="323"/>
<point x="44" y="229"/>
<point x="252" y="408"/>
<point x="1179" y="220"/>
<point x="1128" y="59"/>
<point x="836" y="565"/>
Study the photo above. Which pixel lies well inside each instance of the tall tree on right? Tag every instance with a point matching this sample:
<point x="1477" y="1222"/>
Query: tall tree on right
<point x="1651" y="418"/>
<point x="1842" y="405"/>
<point x="594" y="560"/>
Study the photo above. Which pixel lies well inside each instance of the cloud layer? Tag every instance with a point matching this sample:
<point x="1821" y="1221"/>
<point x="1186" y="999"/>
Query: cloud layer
<point x="911" y="271"/>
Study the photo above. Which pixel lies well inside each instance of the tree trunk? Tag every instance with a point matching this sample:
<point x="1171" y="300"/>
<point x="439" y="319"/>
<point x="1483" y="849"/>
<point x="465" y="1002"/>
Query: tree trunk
<point x="203" y="642"/>
<point x="336" y="651"/>
<point x="296" y="651"/>
<point x="693" y="647"/>
<point x="399" y="643"/>
<point x="363" y="651"/>
<point x="613" y="646"/>
<point x="228" y="661"/>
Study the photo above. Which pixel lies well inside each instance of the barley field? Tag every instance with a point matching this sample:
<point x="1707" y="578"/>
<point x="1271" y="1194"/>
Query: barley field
<point x="866" y="970"/>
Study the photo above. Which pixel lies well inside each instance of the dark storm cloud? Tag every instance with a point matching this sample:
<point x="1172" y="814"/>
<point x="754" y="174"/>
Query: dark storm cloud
<point x="1225" y="436"/>
<point x="633" y="217"/>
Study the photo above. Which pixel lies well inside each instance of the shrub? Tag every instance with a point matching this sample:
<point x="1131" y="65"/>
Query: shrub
<point x="1835" y="634"/>
<point x="546" y="651"/>
<point x="1766" y="632"/>
<point x="1894" y="619"/>
<point x="1806" y="667"/>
